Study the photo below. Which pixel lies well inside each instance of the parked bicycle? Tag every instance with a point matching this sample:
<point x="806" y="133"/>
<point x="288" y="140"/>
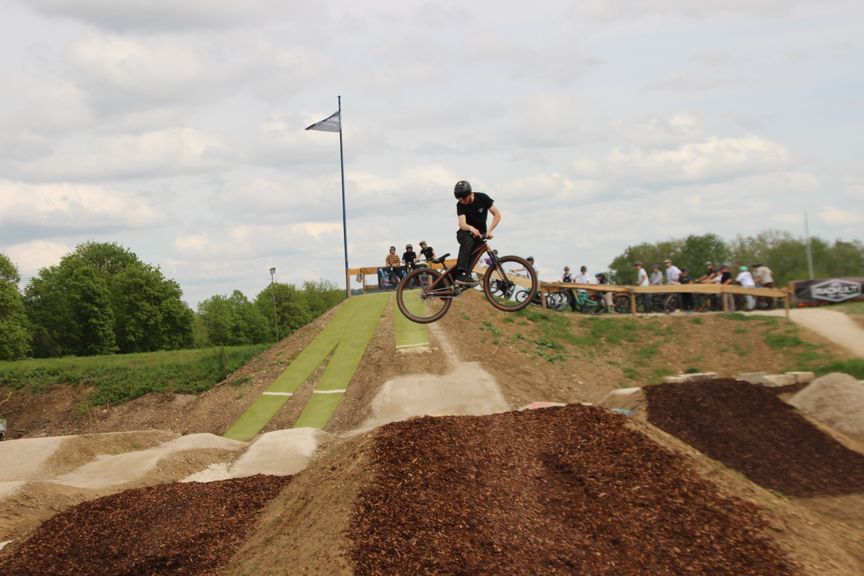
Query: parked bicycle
<point x="431" y="301"/>
<point x="666" y="303"/>
<point x="590" y="303"/>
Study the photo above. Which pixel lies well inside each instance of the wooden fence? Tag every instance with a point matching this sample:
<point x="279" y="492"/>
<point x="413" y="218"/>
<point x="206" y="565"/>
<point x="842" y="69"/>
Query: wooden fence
<point x="360" y="274"/>
<point x="632" y="291"/>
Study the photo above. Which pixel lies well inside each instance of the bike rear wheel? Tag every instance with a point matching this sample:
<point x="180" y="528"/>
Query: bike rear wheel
<point x="621" y="303"/>
<point x="501" y="278"/>
<point x="430" y="300"/>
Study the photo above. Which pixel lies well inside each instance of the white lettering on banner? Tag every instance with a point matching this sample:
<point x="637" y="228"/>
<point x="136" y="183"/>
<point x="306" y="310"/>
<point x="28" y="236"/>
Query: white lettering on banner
<point x="835" y="290"/>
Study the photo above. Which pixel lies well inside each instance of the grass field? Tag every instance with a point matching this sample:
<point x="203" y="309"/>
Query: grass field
<point x="122" y="377"/>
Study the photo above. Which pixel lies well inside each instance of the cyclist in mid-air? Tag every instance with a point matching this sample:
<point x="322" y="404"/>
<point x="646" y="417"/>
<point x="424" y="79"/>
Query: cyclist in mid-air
<point x="472" y="211"/>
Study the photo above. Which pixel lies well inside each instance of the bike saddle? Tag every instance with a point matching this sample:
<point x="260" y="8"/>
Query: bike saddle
<point x="440" y="259"/>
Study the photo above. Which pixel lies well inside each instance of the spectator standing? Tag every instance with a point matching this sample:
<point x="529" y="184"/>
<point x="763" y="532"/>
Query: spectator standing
<point x="763" y="276"/>
<point x="601" y="278"/>
<point x="583" y="277"/>
<point x="686" y="297"/>
<point x="567" y="277"/>
<point x="745" y="280"/>
<point x="656" y="276"/>
<point x="672" y="272"/>
<point x="725" y="278"/>
<point x="642" y="280"/>
<point x="710" y="274"/>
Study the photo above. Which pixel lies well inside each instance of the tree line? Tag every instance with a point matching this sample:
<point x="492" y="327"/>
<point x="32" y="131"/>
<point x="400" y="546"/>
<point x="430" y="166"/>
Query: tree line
<point x="102" y="299"/>
<point x="783" y="253"/>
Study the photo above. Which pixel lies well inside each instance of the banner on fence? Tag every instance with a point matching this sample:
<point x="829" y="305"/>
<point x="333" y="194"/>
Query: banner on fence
<point x="833" y="291"/>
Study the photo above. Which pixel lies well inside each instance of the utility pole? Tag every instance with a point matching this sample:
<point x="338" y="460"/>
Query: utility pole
<point x="809" y="247"/>
<point x="273" y="292"/>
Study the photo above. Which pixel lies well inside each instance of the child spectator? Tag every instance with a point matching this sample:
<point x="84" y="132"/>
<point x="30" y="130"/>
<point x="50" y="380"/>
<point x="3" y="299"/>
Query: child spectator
<point x="409" y="257"/>
<point x="427" y="251"/>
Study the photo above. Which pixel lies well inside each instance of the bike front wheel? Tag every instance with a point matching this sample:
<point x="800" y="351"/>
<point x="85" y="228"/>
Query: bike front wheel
<point x="500" y="282"/>
<point x="429" y="300"/>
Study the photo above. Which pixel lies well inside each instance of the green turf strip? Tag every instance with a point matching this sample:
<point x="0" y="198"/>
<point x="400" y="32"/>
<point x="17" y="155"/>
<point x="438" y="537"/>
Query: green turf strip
<point x="410" y="334"/>
<point x="343" y="363"/>
<point x="355" y="318"/>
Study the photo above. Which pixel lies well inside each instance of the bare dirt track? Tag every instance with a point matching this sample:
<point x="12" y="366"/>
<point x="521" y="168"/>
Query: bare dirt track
<point x="570" y="490"/>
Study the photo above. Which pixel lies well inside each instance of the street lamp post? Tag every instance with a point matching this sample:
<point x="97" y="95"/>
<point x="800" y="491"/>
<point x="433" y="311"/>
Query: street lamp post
<point x="273" y="292"/>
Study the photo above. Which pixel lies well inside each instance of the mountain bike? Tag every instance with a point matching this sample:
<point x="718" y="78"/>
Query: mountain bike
<point x="666" y="303"/>
<point x="504" y="276"/>
<point x="590" y="303"/>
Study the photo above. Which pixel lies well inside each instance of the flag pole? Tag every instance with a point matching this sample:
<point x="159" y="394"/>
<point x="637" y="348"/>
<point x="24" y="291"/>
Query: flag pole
<point x="344" y="219"/>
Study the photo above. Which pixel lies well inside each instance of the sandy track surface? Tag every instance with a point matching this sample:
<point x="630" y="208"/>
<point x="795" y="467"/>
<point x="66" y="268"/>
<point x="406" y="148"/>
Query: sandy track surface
<point x="836" y="326"/>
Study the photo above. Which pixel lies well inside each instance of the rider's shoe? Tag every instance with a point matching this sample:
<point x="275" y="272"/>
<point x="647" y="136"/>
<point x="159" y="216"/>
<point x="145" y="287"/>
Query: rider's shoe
<point x="465" y="280"/>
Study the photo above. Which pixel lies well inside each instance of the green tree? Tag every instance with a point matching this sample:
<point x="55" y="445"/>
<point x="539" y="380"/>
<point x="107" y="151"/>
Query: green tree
<point x="321" y="295"/>
<point x="70" y="309"/>
<point x="697" y="250"/>
<point x="621" y="269"/>
<point x="292" y="308"/>
<point x="233" y="320"/>
<point x="786" y="255"/>
<point x="148" y="309"/>
<point x="14" y="329"/>
<point x="99" y="285"/>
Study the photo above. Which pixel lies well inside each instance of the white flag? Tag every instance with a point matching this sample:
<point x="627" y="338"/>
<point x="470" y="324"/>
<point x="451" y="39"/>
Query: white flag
<point x="329" y="124"/>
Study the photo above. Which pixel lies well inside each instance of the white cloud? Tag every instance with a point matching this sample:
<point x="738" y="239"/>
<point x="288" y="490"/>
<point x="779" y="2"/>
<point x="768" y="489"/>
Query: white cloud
<point x="159" y="153"/>
<point x="159" y="15"/>
<point x="30" y="257"/>
<point x="701" y="161"/>
<point x="70" y="206"/>
<point x="832" y="215"/>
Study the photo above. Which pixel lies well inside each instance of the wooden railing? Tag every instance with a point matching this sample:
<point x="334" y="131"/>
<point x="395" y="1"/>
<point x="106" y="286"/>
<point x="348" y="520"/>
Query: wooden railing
<point x="783" y="293"/>
<point x="352" y="273"/>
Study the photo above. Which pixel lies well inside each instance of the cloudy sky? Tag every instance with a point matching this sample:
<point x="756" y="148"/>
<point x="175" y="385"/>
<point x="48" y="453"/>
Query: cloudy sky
<point x="176" y="128"/>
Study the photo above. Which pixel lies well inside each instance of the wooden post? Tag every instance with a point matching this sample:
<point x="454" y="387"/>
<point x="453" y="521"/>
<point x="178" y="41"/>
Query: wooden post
<point x="723" y="296"/>
<point x="543" y="291"/>
<point x="632" y="302"/>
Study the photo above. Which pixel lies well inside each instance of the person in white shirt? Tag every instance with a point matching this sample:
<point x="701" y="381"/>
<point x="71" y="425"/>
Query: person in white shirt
<point x="744" y="278"/>
<point x="656" y="276"/>
<point x="642" y="280"/>
<point x="582" y="277"/>
<point x="672" y="272"/>
<point x="764" y="277"/>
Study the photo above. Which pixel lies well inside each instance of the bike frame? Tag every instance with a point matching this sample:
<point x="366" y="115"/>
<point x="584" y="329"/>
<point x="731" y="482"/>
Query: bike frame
<point x="448" y="290"/>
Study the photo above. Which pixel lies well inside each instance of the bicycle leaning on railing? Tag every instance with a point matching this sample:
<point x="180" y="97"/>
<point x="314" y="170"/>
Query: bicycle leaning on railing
<point x="504" y="276"/>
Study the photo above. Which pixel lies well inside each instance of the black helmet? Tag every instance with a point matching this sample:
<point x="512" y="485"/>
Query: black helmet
<point x="462" y="189"/>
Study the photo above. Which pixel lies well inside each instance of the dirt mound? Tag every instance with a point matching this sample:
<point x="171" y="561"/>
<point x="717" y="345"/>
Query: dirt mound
<point x="566" y="490"/>
<point x="749" y="429"/>
<point x="836" y="400"/>
<point x="170" y="529"/>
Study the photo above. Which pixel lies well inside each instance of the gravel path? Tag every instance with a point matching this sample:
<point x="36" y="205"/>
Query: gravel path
<point x="835" y="326"/>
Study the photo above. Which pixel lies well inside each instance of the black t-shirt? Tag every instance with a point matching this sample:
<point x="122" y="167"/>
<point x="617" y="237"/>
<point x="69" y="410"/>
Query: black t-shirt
<point x="428" y="253"/>
<point x="476" y="212"/>
<point x="409" y="257"/>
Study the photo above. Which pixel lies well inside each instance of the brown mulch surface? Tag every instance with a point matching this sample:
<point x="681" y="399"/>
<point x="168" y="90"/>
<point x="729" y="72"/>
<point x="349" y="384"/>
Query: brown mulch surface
<point x="567" y="490"/>
<point x="747" y="428"/>
<point x="181" y="528"/>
